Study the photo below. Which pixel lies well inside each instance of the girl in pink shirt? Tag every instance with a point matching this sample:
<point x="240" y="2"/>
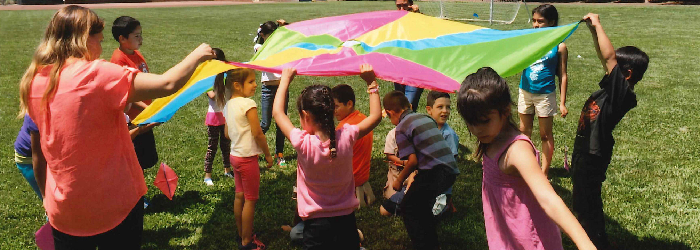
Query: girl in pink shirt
<point x="521" y="209"/>
<point x="325" y="185"/>
<point x="216" y="122"/>
<point x="94" y="184"/>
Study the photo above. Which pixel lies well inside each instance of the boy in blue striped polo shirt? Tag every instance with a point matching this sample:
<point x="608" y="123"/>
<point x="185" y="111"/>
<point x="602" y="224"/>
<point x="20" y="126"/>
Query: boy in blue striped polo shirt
<point x="421" y="144"/>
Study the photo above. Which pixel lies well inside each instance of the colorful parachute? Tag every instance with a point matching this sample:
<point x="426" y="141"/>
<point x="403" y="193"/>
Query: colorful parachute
<point x="404" y="47"/>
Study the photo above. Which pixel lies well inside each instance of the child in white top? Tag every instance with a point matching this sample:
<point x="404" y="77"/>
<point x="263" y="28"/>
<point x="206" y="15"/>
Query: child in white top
<point x="270" y="81"/>
<point x="247" y="142"/>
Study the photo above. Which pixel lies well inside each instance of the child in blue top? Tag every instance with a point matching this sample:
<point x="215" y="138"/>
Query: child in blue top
<point x="438" y="106"/>
<point x="25" y="149"/>
<point x="537" y="86"/>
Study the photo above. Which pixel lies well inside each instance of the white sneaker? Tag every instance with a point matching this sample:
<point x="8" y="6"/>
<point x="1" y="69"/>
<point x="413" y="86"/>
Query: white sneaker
<point x="208" y="182"/>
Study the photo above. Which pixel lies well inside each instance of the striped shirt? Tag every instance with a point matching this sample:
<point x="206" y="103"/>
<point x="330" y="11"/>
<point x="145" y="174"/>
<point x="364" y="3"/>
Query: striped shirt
<point x="418" y="134"/>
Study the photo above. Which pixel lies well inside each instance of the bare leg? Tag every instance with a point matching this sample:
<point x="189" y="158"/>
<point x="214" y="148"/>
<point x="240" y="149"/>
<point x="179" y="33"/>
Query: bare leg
<point x="526" y="124"/>
<point x="247" y="223"/>
<point x="238" y="213"/>
<point x="383" y="211"/>
<point x="547" y="137"/>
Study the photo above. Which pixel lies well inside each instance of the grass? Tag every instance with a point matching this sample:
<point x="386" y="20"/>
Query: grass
<point x="651" y="195"/>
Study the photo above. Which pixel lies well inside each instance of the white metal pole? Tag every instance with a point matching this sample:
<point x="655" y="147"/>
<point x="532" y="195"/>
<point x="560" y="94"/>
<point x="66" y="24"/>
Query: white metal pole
<point x="491" y="13"/>
<point x="442" y="8"/>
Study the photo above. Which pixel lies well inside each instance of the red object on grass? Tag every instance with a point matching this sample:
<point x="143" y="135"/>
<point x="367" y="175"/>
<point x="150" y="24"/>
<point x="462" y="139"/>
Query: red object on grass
<point x="166" y="180"/>
<point x="44" y="237"/>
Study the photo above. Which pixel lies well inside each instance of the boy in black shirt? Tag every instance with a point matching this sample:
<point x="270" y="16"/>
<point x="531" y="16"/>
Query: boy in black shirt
<point x="601" y="113"/>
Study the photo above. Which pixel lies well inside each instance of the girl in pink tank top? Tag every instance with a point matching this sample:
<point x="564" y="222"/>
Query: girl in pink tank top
<point x="521" y="209"/>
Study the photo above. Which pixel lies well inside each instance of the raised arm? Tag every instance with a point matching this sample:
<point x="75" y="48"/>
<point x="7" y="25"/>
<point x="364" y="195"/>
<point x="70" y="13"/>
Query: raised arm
<point x="278" y="113"/>
<point x="563" y="78"/>
<point x="375" y="106"/>
<point x="211" y="94"/>
<point x="605" y="49"/>
<point x="521" y="156"/>
<point x="148" y="86"/>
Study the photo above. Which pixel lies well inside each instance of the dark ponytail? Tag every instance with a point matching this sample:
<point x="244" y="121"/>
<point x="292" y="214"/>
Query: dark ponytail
<point x="265" y="28"/>
<point x="317" y="101"/>
<point x="219" y="84"/>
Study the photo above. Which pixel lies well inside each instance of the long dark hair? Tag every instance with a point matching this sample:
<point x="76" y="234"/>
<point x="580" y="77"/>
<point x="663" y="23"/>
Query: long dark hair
<point x="265" y="28"/>
<point x="480" y="93"/>
<point x="548" y="12"/>
<point x="317" y="100"/>
<point x="219" y="84"/>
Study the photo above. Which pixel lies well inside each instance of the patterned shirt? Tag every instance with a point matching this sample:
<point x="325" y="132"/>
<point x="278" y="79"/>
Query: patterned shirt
<point x="418" y="134"/>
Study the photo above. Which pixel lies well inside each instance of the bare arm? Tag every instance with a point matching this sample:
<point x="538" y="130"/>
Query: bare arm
<point x="140" y="105"/>
<point x="605" y="49"/>
<point x="563" y="78"/>
<point x="281" y="118"/>
<point x="141" y="129"/>
<point x="408" y="168"/>
<point x="521" y="156"/>
<point x="394" y="159"/>
<point x="226" y="131"/>
<point x="211" y="94"/>
<point x="148" y="86"/>
<point x="38" y="163"/>
<point x="375" y="106"/>
<point x="256" y="131"/>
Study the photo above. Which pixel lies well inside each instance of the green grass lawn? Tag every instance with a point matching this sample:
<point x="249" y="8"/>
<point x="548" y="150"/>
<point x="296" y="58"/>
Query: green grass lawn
<point x="651" y="195"/>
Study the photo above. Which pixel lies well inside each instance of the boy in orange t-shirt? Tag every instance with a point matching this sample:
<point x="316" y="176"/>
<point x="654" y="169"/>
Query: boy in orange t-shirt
<point x="127" y="31"/>
<point x="345" y="113"/>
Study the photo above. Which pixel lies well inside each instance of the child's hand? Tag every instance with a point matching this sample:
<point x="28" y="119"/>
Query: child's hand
<point x="289" y="73"/>
<point x="270" y="161"/>
<point x="367" y="73"/>
<point x="414" y="8"/>
<point x="203" y="53"/>
<point x="281" y="22"/>
<point x="563" y="110"/>
<point x="397" y="185"/>
<point x="592" y="20"/>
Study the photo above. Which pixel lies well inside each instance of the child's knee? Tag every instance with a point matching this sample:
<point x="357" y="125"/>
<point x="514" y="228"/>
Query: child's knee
<point x="240" y="196"/>
<point x="546" y="137"/>
<point x="383" y="211"/>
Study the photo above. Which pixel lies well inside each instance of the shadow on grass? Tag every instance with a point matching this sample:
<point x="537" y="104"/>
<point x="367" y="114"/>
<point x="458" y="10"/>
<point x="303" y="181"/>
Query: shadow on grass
<point x="160" y="203"/>
<point x="274" y="208"/>
<point x="619" y="237"/>
<point x="160" y="239"/>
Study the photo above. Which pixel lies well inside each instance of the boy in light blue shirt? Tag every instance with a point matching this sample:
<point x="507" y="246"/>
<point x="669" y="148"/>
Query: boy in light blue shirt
<point x="438" y="107"/>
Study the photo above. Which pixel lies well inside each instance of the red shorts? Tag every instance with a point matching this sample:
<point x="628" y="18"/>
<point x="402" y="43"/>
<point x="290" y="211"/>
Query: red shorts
<point x="246" y="176"/>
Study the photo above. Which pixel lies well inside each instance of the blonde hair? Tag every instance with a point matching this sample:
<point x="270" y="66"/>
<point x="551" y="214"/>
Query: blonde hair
<point x="65" y="37"/>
